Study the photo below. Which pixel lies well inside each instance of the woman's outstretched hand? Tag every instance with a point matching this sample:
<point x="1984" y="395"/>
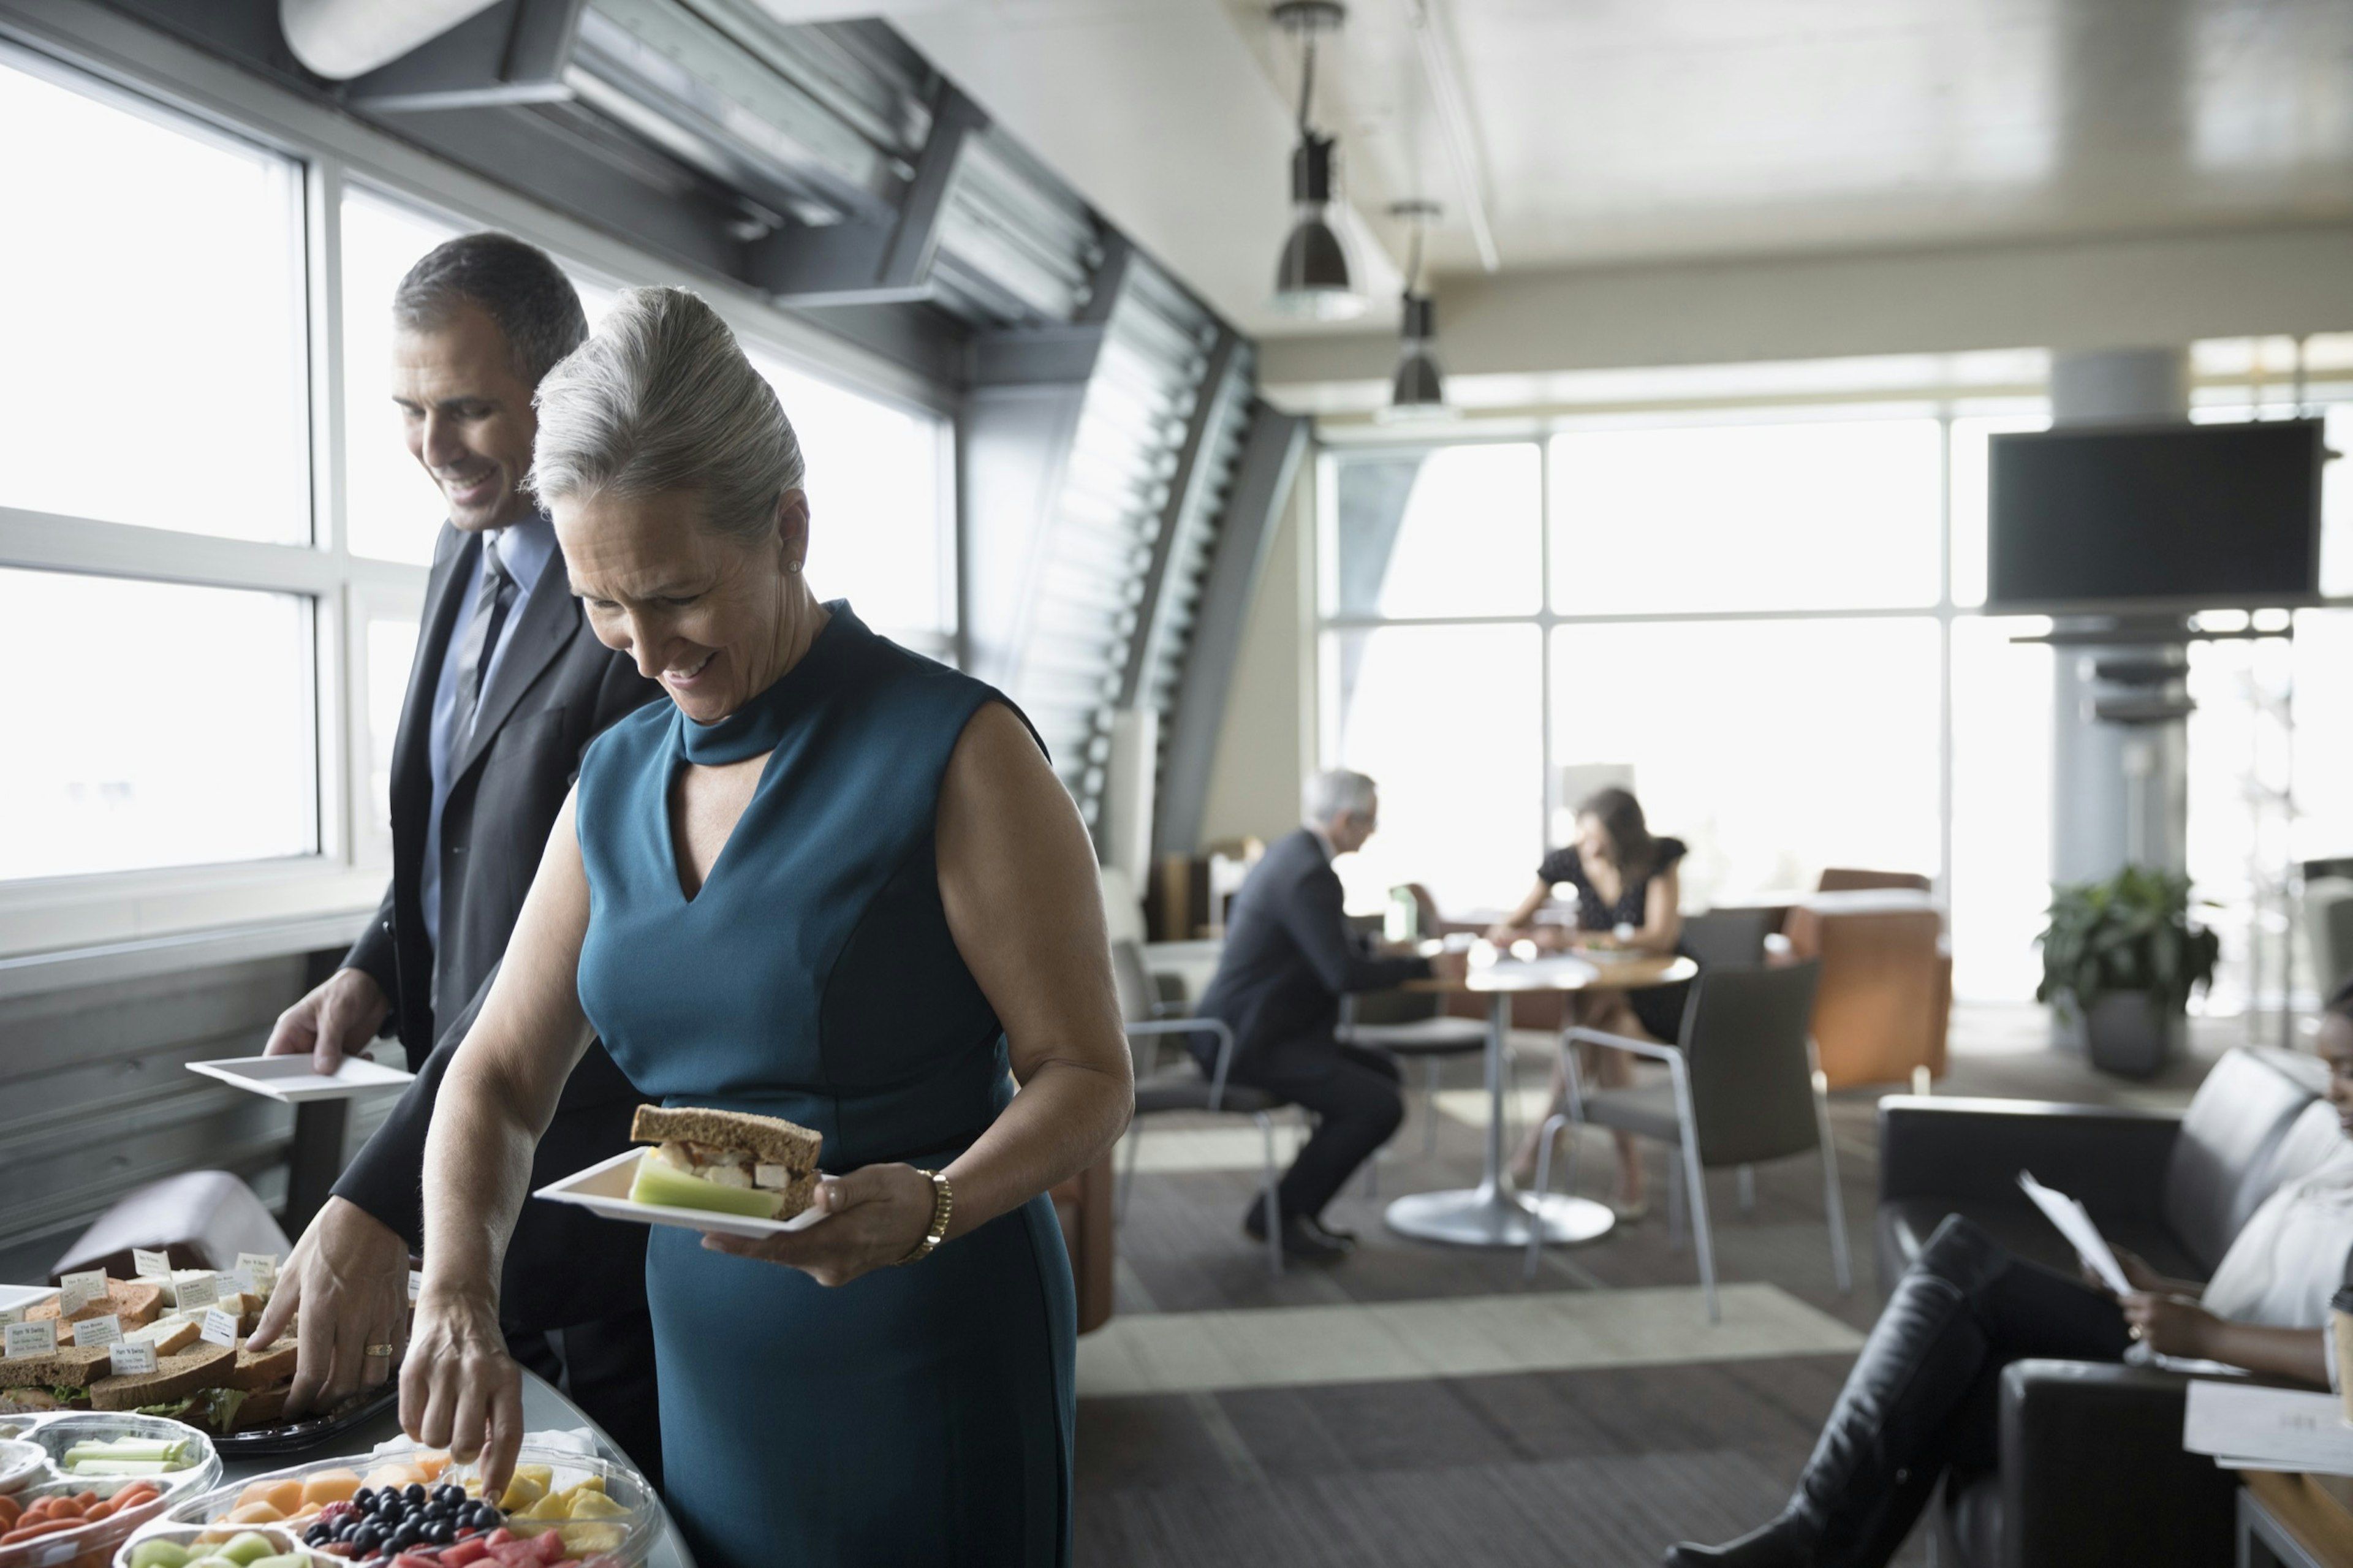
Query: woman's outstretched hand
<point x="2171" y="1325"/>
<point x="874" y="1216"/>
<point x="459" y="1390"/>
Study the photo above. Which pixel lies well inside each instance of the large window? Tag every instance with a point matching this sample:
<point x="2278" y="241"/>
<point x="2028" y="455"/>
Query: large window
<point x="211" y="569"/>
<point x="1762" y="616"/>
<point x="154" y="423"/>
<point x="154" y="275"/>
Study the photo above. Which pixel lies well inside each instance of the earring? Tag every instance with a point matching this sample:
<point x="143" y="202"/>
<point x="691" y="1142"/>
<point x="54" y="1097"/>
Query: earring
<point x="792" y="566"/>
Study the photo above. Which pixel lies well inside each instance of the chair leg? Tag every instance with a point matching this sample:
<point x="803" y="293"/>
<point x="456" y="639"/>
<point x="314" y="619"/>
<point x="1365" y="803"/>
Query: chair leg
<point x="1833" y="1202"/>
<point x="1674" y="1204"/>
<point x="1745" y="1183"/>
<point x="1274" y="1204"/>
<point x="1552" y="1130"/>
<point x="1127" y="1187"/>
<point x="1695" y="1180"/>
<point x="1430" y="1109"/>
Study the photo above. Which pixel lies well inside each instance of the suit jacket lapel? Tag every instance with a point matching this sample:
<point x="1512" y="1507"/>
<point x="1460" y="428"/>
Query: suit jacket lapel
<point x="412" y="744"/>
<point x="550" y="618"/>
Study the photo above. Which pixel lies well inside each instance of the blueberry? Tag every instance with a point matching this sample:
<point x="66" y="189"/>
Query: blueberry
<point x="446" y="1492"/>
<point x="442" y="1533"/>
<point x="484" y="1517"/>
<point x="363" y="1498"/>
<point x="414" y="1492"/>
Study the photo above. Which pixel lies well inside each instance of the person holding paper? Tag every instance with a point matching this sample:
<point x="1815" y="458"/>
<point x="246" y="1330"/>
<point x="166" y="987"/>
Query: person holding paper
<point x="1922" y="1394"/>
<point x="507" y="687"/>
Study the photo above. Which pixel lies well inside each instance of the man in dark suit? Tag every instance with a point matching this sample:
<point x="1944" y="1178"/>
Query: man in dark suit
<point x="507" y="687"/>
<point x="1289" y="957"/>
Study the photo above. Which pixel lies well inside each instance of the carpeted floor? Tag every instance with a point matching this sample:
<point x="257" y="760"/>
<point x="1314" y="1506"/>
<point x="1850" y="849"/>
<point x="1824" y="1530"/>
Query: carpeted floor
<point x="1608" y="1428"/>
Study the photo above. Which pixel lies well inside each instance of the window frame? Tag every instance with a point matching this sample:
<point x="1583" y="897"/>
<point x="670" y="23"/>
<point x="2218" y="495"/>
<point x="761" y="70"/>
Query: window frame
<point x="50" y="920"/>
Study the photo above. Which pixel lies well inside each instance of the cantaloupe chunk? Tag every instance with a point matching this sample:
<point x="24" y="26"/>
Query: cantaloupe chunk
<point x="331" y="1486"/>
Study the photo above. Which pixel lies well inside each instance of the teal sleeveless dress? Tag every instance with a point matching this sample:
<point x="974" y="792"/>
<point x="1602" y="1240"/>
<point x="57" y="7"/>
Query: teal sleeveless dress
<point x="915" y="1415"/>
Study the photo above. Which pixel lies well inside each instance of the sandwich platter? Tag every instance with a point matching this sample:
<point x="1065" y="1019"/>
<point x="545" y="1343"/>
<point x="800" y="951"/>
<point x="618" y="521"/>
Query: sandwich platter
<point x="604" y="1189"/>
<point x="291" y="1080"/>
<point x="310" y="1431"/>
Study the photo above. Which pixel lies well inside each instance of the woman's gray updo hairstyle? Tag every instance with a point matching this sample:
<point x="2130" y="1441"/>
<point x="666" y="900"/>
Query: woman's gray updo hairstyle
<point x="661" y="398"/>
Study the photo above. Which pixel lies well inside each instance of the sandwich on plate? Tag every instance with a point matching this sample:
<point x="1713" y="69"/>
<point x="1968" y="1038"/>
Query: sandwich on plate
<point x="728" y="1161"/>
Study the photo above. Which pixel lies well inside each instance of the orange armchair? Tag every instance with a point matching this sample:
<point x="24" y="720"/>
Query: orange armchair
<point x="1886" y="996"/>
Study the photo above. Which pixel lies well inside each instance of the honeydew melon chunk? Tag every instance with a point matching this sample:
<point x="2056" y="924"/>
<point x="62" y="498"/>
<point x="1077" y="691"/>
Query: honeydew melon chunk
<point x="248" y="1548"/>
<point x="665" y="1185"/>
<point x="159" y="1554"/>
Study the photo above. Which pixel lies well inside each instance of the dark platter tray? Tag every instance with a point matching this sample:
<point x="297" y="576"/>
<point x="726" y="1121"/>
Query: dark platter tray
<point x="293" y="1437"/>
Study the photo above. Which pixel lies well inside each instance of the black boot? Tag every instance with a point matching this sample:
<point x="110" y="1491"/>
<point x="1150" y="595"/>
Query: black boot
<point x="1884" y="1448"/>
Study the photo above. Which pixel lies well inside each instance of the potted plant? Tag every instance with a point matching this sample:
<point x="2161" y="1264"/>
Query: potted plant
<point x="2123" y="957"/>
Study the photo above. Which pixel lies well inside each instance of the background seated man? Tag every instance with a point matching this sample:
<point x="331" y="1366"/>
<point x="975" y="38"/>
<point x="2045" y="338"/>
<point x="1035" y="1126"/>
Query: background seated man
<point x="1289" y="957"/>
<point x="1921" y="1394"/>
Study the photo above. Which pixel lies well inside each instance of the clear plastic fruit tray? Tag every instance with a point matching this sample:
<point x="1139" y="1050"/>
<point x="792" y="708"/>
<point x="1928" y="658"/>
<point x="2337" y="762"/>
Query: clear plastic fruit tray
<point x="196" y="1541"/>
<point x="623" y="1540"/>
<point x="92" y="1546"/>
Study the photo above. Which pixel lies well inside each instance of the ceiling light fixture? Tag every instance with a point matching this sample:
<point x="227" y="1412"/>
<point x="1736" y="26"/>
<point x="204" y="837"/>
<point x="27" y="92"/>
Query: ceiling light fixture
<point x="1312" y="280"/>
<point x="1417" y="392"/>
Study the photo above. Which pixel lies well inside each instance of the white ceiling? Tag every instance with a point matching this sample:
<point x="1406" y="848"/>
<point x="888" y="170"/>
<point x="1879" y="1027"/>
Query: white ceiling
<point x="1611" y="132"/>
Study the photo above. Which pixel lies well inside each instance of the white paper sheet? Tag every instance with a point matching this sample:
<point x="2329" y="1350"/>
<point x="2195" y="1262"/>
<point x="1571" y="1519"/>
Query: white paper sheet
<point x="2247" y="1426"/>
<point x="2076" y="1225"/>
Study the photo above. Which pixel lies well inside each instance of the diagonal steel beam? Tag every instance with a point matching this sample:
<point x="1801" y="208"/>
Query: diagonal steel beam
<point x="1184" y="491"/>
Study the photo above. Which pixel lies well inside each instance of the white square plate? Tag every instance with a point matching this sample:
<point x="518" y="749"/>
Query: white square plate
<point x="604" y="1188"/>
<point x="14" y="1298"/>
<point x="289" y="1078"/>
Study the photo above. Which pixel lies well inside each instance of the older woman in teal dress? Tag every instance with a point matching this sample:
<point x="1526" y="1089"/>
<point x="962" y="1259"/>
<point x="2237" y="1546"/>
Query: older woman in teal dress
<point x="832" y="881"/>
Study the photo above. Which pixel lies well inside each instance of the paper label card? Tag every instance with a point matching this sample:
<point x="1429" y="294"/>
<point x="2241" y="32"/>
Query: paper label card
<point x="78" y="1290"/>
<point x="415" y="1285"/>
<point x="151" y="1265"/>
<point x="219" y="1329"/>
<point x="257" y="1271"/>
<point x="104" y="1329"/>
<point x="132" y="1359"/>
<point x="35" y="1339"/>
<point x="199" y="1291"/>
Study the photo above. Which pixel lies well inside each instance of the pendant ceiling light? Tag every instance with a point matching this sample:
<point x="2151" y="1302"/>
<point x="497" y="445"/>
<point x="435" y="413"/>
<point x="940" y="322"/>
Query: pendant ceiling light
<point x="1312" y="282"/>
<point x="1417" y="393"/>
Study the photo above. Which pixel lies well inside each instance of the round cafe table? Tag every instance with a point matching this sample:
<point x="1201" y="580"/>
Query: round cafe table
<point x="1492" y="1214"/>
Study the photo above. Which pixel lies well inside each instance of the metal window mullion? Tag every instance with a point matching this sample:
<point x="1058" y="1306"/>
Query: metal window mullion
<point x="1944" y="709"/>
<point x="1544" y="638"/>
<point x="47" y="542"/>
<point x="341" y="673"/>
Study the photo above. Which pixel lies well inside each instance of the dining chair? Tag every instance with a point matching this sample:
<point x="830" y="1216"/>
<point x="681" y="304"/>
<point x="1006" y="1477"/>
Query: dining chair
<point x="1410" y="1027"/>
<point x="1742" y="1088"/>
<point x="1185" y="1087"/>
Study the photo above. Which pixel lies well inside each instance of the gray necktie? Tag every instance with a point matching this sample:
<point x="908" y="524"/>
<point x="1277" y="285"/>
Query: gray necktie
<point x="495" y="597"/>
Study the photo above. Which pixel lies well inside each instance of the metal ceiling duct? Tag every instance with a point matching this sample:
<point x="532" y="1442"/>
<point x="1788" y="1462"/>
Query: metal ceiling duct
<point x="340" y="39"/>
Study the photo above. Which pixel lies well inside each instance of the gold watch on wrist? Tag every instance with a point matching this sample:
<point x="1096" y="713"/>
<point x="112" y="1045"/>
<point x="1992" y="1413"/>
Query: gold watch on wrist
<point x="943" y="1205"/>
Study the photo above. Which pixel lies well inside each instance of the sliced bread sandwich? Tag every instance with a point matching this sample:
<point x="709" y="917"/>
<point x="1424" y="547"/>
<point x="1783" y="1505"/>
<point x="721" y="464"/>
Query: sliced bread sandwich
<point x="728" y="1161"/>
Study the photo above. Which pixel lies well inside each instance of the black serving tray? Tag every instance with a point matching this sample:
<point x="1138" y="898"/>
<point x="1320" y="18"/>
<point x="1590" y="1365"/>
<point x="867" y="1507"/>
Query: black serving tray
<point x="294" y="1436"/>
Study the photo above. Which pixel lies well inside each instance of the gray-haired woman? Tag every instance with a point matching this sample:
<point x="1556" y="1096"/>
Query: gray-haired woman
<point x="906" y="908"/>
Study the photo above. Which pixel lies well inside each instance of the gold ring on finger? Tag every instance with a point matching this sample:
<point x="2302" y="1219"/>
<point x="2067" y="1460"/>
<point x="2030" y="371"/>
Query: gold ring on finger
<point x="386" y="1351"/>
<point x="2135" y="1331"/>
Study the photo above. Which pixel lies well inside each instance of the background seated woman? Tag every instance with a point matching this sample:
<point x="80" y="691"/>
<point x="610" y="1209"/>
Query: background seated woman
<point x="1923" y="1394"/>
<point x="1628" y="896"/>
